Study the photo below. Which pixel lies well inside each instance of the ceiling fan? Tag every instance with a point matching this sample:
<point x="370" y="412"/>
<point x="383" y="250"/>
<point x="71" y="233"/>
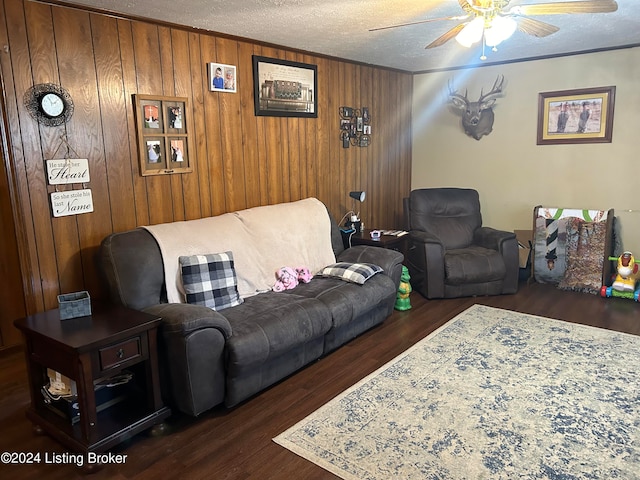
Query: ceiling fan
<point x="493" y="22"/>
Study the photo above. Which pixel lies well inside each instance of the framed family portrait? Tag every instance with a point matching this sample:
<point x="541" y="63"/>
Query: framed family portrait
<point x="163" y="137"/>
<point x="576" y="116"/>
<point x="222" y="78"/>
<point x="285" y="89"/>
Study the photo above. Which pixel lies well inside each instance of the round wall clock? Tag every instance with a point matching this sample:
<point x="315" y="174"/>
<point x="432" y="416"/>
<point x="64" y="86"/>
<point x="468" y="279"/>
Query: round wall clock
<point x="49" y="104"/>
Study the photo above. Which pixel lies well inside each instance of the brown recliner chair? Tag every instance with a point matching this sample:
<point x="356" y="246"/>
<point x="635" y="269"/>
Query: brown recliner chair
<point x="451" y="253"/>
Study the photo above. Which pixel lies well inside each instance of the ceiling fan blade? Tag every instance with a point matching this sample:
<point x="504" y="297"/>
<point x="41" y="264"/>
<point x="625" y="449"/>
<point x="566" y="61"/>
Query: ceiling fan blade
<point x="586" y="6"/>
<point x="536" y="27"/>
<point x="457" y="17"/>
<point x="464" y="4"/>
<point x="442" y="39"/>
<point x="480" y="5"/>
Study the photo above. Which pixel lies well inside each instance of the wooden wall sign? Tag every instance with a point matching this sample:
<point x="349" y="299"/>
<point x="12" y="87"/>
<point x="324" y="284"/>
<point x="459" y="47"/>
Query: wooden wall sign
<point x="65" y="171"/>
<point x="72" y="202"/>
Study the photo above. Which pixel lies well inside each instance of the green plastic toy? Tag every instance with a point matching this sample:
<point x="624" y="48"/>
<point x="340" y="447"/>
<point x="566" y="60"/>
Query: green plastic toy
<point x="402" y="297"/>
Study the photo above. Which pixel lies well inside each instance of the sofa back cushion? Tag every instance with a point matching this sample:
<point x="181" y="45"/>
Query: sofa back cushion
<point x="134" y="268"/>
<point x="336" y="237"/>
<point x="262" y="240"/>
<point x="290" y="234"/>
<point x="131" y="264"/>
<point x="204" y="236"/>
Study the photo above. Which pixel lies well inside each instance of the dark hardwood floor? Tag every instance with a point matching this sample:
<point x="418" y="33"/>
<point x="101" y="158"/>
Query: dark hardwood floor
<point x="236" y="444"/>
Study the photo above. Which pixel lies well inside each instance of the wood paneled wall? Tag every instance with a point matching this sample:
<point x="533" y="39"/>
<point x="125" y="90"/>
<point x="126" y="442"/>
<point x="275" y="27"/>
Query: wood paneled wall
<point x="239" y="160"/>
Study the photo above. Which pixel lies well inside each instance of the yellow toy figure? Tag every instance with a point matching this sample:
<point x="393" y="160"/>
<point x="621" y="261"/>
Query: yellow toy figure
<point x="627" y="273"/>
<point x="404" y="289"/>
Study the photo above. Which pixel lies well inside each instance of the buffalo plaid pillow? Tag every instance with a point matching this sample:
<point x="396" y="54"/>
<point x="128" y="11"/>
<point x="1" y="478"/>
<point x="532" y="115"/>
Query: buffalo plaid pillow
<point x="210" y="280"/>
<point x="351" y="272"/>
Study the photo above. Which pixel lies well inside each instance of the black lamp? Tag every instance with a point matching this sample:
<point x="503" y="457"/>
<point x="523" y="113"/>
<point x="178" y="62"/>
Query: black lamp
<point x="358" y="196"/>
<point x="354" y="220"/>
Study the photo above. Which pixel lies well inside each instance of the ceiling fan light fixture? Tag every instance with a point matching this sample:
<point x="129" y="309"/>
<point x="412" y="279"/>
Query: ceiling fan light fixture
<point x="471" y="33"/>
<point x="500" y="29"/>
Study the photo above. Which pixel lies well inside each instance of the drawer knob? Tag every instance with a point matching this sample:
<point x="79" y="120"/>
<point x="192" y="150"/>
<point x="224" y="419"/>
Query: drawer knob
<point x="120" y="353"/>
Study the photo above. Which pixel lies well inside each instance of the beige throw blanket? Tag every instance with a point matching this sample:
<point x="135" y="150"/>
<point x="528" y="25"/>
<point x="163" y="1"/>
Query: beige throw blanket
<point x="262" y="240"/>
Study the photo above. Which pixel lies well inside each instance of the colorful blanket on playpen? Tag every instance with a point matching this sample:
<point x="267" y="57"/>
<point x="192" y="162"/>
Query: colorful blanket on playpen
<point x="570" y="247"/>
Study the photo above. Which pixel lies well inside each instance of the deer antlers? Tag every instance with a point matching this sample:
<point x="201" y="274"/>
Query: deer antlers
<point x="455" y="96"/>
<point x="495" y="90"/>
<point x="460" y="100"/>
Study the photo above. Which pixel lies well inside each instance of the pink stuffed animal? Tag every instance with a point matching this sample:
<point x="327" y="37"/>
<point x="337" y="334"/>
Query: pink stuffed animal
<point x="304" y="274"/>
<point x="286" y="279"/>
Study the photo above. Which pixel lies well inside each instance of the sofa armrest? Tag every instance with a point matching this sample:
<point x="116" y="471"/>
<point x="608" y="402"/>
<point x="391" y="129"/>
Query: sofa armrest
<point x="488" y="237"/>
<point x="192" y="359"/>
<point x="507" y="244"/>
<point x="431" y="251"/>
<point x="184" y="318"/>
<point x="426" y="263"/>
<point x="389" y="260"/>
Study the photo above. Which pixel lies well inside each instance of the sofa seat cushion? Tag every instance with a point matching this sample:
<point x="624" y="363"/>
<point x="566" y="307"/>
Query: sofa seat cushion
<point x="346" y="301"/>
<point x="473" y="265"/>
<point x="270" y="324"/>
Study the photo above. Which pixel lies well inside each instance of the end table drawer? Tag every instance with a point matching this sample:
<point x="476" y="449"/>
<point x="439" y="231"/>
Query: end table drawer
<point x="120" y="352"/>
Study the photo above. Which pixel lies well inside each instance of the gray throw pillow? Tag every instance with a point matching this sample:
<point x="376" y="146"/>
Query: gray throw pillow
<point x="210" y="280"/>
<point x="351" y="272"/>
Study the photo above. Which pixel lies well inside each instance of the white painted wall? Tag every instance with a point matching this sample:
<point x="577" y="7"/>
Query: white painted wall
<point x="511" y="172"/>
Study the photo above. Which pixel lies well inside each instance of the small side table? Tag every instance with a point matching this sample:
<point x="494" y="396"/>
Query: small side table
<point x="109" y="342"/>
<point x="385" y="241"/>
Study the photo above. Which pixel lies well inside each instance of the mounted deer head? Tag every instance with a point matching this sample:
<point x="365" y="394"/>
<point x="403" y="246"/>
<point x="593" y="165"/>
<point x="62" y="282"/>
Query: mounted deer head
<point x="477" y="117"/>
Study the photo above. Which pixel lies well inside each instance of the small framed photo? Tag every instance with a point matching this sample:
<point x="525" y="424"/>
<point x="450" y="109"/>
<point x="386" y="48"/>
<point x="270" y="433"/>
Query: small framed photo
<point x="222" y="78"/>
<point x="576" y="116"/>
<point x="152" y="116"/>
<point x="174" y="112"/>
<point x="154" y="156"/>
<point x="178" y="154"/>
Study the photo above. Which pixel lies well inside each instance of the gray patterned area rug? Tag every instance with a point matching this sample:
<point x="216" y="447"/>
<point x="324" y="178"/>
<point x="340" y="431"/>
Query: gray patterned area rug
<point x="493" y="394"/>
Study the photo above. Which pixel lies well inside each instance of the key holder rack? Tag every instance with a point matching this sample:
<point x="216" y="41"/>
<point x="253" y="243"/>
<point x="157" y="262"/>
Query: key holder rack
<point x="355" y="126"/>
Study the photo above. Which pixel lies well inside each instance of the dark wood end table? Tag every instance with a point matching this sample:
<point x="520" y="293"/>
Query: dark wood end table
<point x="385" y="241"/>
<point x="112" y="341"/>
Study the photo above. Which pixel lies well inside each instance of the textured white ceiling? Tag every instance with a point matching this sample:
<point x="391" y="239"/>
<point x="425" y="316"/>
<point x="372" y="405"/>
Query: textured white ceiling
<point x="340" y="28"/>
